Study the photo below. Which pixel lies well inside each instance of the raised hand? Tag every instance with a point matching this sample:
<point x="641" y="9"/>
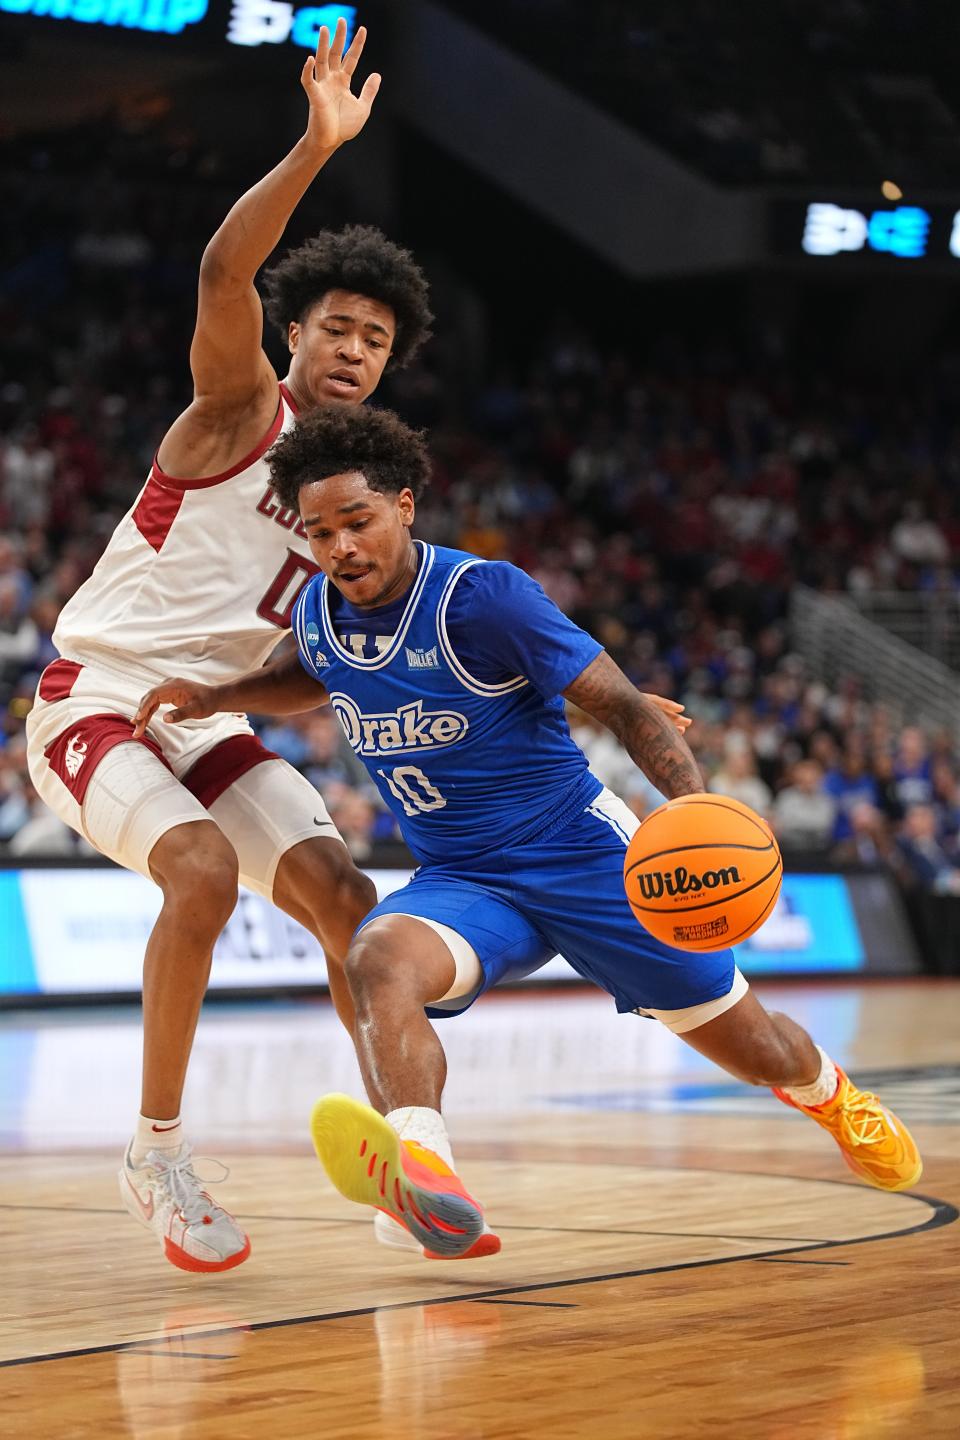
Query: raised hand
<point x="336" y="115"/>
<point x="193" y="701"/>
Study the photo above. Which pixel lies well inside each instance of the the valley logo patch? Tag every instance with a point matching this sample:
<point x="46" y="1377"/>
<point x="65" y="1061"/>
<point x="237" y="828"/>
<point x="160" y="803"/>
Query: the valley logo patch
<point x="422" y="659"/>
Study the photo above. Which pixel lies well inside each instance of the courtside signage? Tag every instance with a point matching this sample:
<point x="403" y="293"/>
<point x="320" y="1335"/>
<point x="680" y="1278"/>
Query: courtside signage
<point x="813" y="928"/>
<point x="91" y="940"/>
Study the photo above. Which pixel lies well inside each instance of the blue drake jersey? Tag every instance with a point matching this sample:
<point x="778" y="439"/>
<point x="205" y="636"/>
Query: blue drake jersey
<point x="466" y="767"/>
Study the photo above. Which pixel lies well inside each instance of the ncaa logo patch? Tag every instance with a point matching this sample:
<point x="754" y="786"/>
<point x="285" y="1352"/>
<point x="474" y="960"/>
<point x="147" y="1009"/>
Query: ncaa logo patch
<point x="312" y="633"/>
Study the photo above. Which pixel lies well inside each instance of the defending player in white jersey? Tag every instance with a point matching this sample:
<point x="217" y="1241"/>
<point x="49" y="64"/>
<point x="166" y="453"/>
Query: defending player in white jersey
<point x="200" y="577"/>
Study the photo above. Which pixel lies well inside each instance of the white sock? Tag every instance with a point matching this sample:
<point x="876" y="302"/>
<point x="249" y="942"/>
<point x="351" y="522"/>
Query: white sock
<point x="163" y="1135"/>
<point x="425" y="1127"/>
<point x="819" y="1091"/>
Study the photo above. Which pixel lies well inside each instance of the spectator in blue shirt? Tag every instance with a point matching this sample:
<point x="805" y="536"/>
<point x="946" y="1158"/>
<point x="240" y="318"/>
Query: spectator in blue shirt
<point x="912" y="769"/>
<point x="850" y="784"/>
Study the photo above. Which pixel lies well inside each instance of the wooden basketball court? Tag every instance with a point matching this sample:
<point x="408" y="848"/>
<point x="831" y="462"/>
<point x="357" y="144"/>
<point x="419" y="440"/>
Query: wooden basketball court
<point x="682" y="1255"/>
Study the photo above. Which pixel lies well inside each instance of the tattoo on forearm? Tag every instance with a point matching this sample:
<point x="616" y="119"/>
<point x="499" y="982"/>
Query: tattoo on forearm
<point x="664" y="756"/>
<point x="650" y="739"/>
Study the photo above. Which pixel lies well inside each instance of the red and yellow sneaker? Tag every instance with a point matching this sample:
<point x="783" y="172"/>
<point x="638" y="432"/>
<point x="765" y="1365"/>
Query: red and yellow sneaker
<point x="368" y="1162"/>
<point x="386" y="1231"/>
<point x="876" y="1145"/>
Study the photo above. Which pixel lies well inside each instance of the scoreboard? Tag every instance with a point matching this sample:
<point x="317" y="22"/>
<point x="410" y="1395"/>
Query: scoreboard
<point x="249" y="23"/>
<point x="837" y="232"/>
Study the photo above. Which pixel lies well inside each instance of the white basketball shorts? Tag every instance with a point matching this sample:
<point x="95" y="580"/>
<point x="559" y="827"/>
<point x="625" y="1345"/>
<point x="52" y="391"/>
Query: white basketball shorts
<point x="123" y="794"/>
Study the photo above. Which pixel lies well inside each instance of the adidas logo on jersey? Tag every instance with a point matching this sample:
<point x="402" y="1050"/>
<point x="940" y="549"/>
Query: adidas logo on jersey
<point x="409" y="728"/>
<point x="422" y="659"/>
<point x="75" y="755"/>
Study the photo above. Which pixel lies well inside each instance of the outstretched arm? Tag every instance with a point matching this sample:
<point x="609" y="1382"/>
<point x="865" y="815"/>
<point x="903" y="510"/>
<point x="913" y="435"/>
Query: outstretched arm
<point x="235" y="388"/>
<point x="649" y="736"/>
<point x="227" y="356"/>
<point x="281" y="688"/>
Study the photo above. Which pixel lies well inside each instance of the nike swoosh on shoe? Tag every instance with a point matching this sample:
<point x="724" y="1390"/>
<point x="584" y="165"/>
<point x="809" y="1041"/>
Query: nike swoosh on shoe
<point x="145" y="1210"/>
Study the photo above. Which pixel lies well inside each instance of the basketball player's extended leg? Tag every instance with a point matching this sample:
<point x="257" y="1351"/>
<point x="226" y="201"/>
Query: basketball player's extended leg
<point x="757" y="1045"/>
<point x="196" y="869"/>
<point x="401" y="1164"/>
<point x="396" y="966"/>
<point x="318" y="884"/>
<point x="766" y="1048"/>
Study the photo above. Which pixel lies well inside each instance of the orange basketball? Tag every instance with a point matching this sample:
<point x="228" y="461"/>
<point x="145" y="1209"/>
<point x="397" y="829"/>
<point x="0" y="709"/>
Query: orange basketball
<point x="702" y="872"/>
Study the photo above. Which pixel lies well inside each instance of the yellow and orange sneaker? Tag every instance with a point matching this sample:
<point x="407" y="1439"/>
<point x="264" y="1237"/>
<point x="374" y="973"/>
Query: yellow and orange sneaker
<point x="368" y="1162"/>
<point x="875" y="1144"/>
<point x="386" y="1231"/>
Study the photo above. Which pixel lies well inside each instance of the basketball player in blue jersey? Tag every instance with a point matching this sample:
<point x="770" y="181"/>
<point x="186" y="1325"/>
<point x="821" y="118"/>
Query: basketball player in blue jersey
<point x="448" y="675"/>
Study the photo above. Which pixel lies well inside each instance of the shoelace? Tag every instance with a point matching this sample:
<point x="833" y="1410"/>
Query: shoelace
<point x="862" y="1119"/>
<point x="184" y="1183"/>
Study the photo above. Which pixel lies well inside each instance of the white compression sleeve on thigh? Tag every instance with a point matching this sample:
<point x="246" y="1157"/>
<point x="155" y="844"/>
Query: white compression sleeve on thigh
<point x="468" y="972"/>
<point x="693" y="1016"/>
<point x="131" y="801"/>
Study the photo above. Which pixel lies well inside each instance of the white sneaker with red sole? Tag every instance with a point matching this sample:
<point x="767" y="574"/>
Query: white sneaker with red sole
<point x="165" y="1195"/>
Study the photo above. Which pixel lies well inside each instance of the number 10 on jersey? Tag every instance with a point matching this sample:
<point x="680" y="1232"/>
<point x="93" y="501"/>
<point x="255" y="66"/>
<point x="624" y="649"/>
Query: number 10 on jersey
<point x="410" y="786"/>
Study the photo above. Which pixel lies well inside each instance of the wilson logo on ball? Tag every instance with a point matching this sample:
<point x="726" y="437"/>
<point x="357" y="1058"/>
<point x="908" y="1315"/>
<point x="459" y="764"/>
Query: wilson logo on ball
<point x="702" y="872"/>
<point x="681" y="881"/>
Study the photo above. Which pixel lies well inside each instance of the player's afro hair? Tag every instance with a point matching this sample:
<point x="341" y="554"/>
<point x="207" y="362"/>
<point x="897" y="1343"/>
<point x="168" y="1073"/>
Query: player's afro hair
<point x="360" y="259"/>
<point x="337" y="439"/>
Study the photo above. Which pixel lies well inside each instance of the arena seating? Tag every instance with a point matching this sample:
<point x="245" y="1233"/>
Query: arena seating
<point x="667" y="503"/>
<point x="755" y="93"/>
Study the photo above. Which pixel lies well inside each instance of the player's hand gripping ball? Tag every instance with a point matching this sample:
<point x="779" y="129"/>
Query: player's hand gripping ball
<point x="702" y="872"/>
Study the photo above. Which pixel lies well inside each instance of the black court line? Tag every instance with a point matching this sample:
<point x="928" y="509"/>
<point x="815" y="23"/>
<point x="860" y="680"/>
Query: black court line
<point x="349" y="1220"/>
<point x="537" y="1304"/>
<point x="943" y="1214"/>
<point x="546" y="1229"/>
<point x="775" y="1260"/>
<point x="138" y="1348"/>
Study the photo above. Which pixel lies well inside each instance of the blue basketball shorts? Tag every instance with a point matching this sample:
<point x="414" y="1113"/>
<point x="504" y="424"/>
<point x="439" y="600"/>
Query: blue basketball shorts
<point x="564" y="895"/>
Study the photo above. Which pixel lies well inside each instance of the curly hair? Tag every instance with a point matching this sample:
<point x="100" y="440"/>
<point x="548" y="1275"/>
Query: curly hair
<point x="360" y="259"/>
<point x="338" y="439"/>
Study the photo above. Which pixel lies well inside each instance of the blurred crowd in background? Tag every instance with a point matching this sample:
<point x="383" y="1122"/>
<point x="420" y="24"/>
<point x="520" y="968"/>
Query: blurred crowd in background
<point x="805" y="89"/>
<point x="668" y="504"/>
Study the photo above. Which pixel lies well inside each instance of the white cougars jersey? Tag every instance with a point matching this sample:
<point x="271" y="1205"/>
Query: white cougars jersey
<point x="198" y="579"/>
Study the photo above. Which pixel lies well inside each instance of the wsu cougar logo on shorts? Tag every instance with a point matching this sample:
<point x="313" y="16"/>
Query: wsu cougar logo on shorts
<point x="75" y="755"/>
